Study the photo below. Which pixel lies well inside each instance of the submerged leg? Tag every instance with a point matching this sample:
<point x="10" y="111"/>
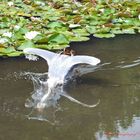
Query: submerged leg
<point x="78" y="102"/>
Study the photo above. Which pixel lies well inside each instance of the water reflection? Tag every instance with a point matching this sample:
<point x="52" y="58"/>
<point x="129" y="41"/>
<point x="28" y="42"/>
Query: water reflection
<point x="117" y="88"/>
<point x="51" y="103"/>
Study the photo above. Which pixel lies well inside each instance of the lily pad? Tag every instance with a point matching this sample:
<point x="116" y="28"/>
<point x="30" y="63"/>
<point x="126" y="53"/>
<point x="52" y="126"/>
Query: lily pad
<point x="55" y="25"/>
<point x="13" y="54"/>
<point x="80" y="32"/>
<point x="58" y="38"/>
<point x="26" y="44"/>
<point x="128" y="31"/>
<point x="60" y="22"/>
<point x="7" y="50"/>
<point x="51" y="46"/>
<point x="91" y="29"/>
<point x="79" y="38"/>
<point x="104" y="35"/>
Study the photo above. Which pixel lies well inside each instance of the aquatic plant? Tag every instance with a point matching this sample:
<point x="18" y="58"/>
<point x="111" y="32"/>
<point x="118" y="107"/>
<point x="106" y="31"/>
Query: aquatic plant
<point x="53" y="24"/>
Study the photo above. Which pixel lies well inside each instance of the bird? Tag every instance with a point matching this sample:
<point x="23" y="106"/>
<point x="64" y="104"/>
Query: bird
<point x="65" y="66"/>
<point x="61" y="69"/>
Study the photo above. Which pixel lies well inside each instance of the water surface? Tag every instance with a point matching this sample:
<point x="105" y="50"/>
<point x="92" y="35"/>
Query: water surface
<point x="116" y="85"/>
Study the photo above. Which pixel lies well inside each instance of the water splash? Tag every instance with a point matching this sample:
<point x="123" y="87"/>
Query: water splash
<point x="62" y="68"/>
<point x="31" y="57"/>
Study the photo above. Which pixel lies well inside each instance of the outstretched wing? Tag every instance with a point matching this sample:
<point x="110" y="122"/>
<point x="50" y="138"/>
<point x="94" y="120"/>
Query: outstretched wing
<point x="80" y="65"/>
<point x="47" y="55"/>
<point x="79" y="70"/>
<point x="73" y="65"/>
<point x="82" y="59"/>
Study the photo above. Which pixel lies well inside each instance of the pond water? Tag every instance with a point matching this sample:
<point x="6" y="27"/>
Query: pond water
<point x="116" y="84"/>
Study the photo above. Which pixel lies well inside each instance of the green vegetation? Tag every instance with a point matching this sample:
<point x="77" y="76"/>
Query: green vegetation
<point x="53" y="24"/>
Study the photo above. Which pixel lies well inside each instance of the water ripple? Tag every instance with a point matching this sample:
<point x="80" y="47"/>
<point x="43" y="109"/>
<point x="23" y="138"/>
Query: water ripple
<point x="130" y="65"/>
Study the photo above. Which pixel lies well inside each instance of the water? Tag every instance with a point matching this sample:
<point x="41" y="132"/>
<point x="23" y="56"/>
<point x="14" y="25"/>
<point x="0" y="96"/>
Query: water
<point x="116" y="84"/>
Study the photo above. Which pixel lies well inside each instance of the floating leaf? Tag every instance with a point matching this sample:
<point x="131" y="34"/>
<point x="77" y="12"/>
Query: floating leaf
<point x="80" y="32"/>
<point x="128" y="31"/>
<point x="61" y="22"/>
<point x="79" y="38"/>
<point x="7" y="51"/>
<point x="51" y="46"/>
<point x="58" y="38"/>
<point x="104" y="35"/>
<point x="13" y="54"/>
<point x="103" y="29"/>
<point x="40" y="39"/>
<point x="23" y="30"/>
<point x="91" y="29"/>
<point x="2" y="50"/>
<point x="116" y="31"/>
<point x="10" y="50"/>
<point x="55" y="24"/>
<point x="26" y="44"/>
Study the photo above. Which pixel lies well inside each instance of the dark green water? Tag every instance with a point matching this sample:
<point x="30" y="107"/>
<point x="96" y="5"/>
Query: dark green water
<point x="116" y="85"/>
